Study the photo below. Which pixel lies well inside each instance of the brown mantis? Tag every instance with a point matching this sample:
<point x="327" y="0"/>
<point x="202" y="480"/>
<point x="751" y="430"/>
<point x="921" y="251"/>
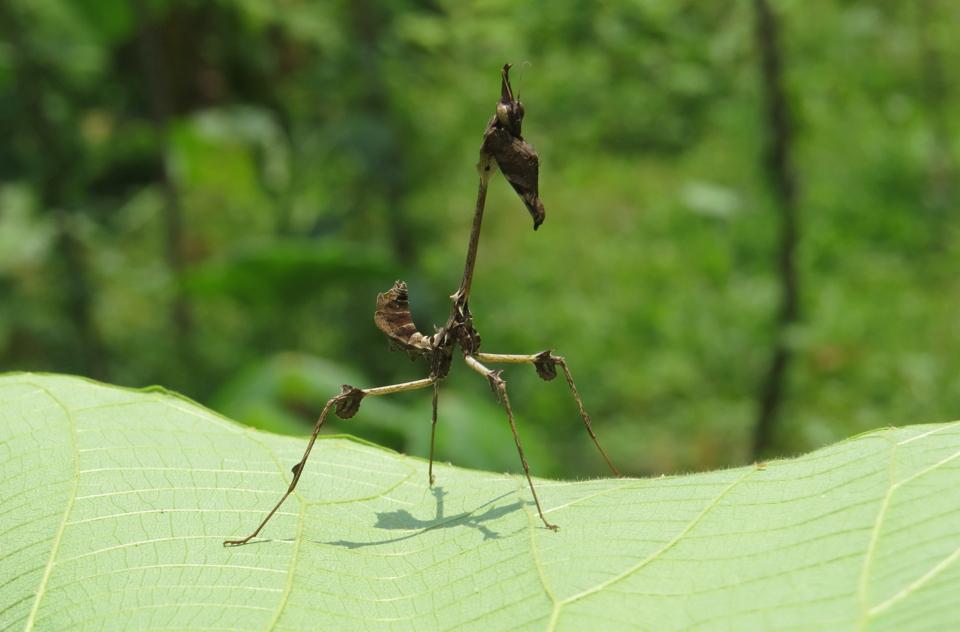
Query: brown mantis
<point x="503" y="147"/>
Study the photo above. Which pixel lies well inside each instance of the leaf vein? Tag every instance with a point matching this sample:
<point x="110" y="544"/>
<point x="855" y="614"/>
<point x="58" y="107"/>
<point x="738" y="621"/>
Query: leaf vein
<point x="58" y="538"/>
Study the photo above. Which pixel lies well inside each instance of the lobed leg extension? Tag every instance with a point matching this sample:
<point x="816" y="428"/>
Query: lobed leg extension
<point x="500" y="388"/>
<point x="346" y="404"/>
<point x="545" y="363"/>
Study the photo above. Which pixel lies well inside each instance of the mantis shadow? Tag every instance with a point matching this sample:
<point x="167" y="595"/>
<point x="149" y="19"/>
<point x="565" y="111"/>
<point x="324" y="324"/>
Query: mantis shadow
<point x="403" y="520"/>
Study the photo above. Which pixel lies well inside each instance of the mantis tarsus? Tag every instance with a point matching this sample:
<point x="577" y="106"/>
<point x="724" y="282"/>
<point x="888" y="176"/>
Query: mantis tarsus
<point x="503" y="147"/>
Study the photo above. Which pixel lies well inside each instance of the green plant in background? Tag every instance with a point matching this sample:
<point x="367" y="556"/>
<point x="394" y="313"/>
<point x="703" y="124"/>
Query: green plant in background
<point x="115" y="503"/>
<point x="279" y="145"/>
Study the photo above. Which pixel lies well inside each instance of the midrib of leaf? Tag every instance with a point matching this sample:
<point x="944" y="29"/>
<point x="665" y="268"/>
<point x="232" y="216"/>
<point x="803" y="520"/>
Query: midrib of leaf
<point x="864" y="584"/>
<point x="41" y="590"/>
<point x="291" y="570"/>
<point x="534" y="551"/>
<point x="295" y="555"/>
<point x="939" y="567"/>
<point x="558" y="605"/>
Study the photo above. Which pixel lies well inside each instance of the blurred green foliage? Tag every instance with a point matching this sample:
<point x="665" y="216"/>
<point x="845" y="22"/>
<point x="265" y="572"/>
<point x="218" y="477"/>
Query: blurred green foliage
<point x="210" y="194"/>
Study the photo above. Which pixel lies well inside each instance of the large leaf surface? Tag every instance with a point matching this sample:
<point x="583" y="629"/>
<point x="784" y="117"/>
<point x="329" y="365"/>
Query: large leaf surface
<point x="114" y="504"/>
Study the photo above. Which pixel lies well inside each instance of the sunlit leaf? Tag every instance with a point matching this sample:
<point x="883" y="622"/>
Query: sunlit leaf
<point x="115" y="504"/>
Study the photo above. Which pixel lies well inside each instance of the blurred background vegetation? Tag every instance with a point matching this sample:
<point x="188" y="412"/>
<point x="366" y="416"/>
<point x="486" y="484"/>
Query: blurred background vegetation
<point x="209" y="195"/>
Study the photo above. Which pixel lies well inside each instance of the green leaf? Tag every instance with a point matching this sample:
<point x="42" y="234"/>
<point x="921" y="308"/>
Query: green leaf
<point x="114" y="504"/>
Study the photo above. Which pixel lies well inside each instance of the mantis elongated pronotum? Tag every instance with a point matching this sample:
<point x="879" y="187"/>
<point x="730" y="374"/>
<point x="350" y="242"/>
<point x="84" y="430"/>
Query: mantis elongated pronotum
<point x="503" y="147"/>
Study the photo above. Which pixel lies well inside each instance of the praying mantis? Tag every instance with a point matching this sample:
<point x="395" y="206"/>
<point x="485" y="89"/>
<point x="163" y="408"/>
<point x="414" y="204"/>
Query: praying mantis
<point x="503" y="148"/>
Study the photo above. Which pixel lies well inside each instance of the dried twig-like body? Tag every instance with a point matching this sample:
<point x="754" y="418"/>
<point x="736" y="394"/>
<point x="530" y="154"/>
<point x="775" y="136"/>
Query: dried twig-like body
<point x="505" y="148"/>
